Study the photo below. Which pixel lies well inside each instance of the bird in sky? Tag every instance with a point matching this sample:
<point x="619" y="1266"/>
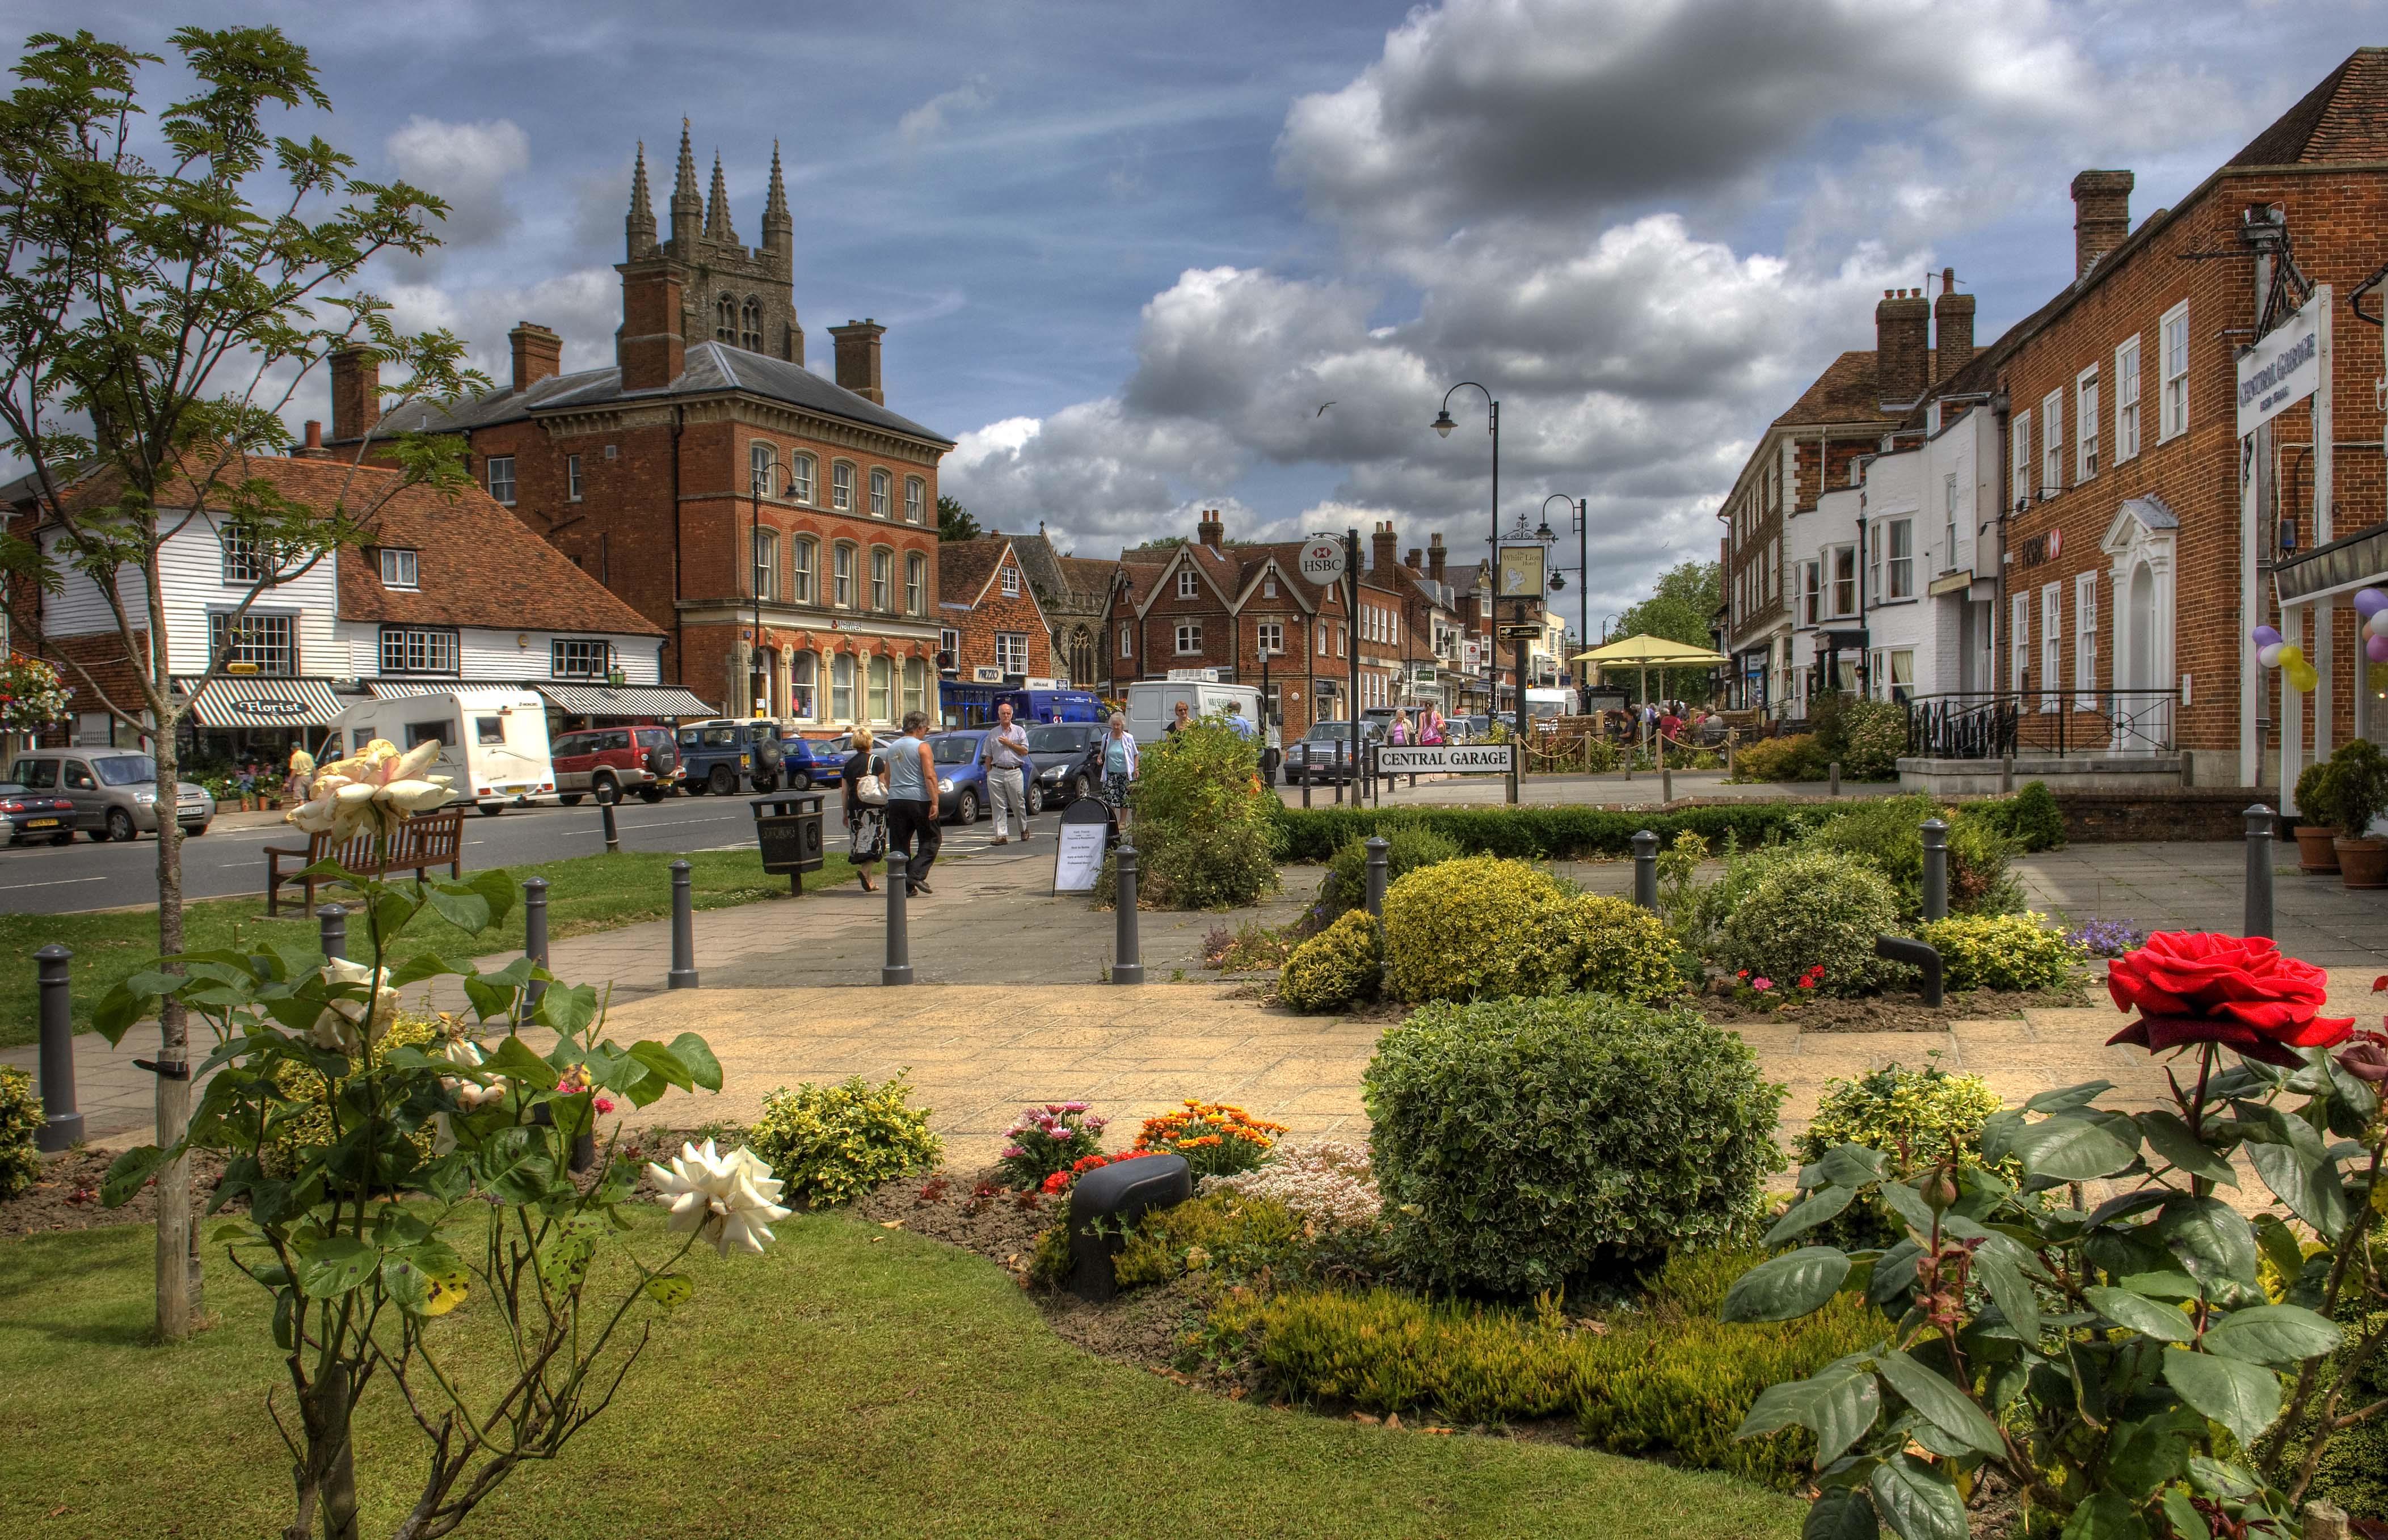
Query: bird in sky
<point x="1322" y="411"/>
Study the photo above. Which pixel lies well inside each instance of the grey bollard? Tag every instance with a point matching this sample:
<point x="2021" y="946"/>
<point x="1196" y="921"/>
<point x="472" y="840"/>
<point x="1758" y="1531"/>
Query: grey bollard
<point x="331" y="925"/>
<point x="1832" y="780"/>
<point x="1127" y="954"/>
<point x="1646" y="870"/>
<point x="1666" y="783"/>
<point x="2258" y="918"/>
<point x="606" y="811"/>
<point x="62" y="1125"/>
<point x="897" y="968"/>
<point x="1376" y="847"/>
<point x="2006" y="774"/>
<point x="1936" y="869"/>
<point x="535" y="932"/>
<point x="683" y="958"/>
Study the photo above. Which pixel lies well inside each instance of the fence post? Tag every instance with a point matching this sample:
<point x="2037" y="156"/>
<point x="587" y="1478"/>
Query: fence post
<point x="683" y="957"/>
<point x="606" y="811"/>
<point x="1731" y="738"/>
<point x="1833" y="778"/>
<point x="331" y="925"/>
<point x="897" y="968"/>
<point x="535" y="932"/>
<point x="1128" y="956"/>
<point x="2258" y="917"/>
<point x="1666" y="782"/>
<point x="1376" y="847"/>
<point x="1936" y="869"/>
<point x="62" y="1125"/>
<point x="1646" y="870"/>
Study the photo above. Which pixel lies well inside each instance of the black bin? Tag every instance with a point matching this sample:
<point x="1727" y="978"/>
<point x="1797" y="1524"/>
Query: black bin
<point x="788" y="831"/>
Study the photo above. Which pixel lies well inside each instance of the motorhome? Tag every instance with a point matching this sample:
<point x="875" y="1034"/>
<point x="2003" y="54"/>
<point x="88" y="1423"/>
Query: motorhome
<point x="493" y="742"/>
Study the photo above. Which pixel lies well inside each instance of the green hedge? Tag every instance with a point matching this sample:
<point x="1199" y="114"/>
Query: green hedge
<point x="1533" y="833"/>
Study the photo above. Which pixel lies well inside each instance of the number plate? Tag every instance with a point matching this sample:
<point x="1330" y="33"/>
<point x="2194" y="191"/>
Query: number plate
<point x="41" y="823"/>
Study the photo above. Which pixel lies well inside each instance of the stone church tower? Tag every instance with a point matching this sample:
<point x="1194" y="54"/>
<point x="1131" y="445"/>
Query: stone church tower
<point x="725" y="291"/>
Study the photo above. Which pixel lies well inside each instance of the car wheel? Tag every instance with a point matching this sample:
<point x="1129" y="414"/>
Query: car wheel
<point x="490" y="810"/>
<point x="570" y="799"/>
<point x="605" y="788"/>
<point x="651" y="795"/>
<point x="694" y="788"/>
<point x="1081" y="789"/>
<point x="120" y="826"/>
<point x="966" y="808"/>
<point x="192" y="831"/>
<point x="723" y="782"/>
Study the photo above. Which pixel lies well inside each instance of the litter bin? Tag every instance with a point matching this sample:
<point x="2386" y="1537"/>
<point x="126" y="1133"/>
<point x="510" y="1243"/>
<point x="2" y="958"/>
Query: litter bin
<point x="788" y="830"/>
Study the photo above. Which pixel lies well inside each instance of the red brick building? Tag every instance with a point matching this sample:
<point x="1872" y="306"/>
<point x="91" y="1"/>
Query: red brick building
<point x="779" y="527"/>
<point x="988" y="614"/>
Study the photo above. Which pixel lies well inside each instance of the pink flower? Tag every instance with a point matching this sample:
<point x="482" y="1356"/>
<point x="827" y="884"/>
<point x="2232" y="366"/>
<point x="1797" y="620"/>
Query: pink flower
<point x="1762" y="983"/>
<point x="605" y="1104"/>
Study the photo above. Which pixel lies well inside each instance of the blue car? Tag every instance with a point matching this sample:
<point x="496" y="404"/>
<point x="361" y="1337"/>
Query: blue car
<point x="961" y="774"/>
<point x="722" y="755"/>
<point x="830" y="755"/>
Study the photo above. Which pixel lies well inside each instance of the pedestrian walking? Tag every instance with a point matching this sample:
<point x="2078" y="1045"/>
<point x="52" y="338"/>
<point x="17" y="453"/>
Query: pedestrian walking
<point x="1433" y="730"/>
<point x="1119" y="766"/>
<point x="864" y="781"/>
<point x="912" y="803"/>
<point x="295" y="785"/>
<point x="1007" y="786"/>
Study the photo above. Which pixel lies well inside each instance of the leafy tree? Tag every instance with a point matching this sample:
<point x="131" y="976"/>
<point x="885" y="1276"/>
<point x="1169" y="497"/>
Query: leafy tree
<point x="954" y="522"/>
<point x="166" y="283"/>
<point x="1679" y="610"/>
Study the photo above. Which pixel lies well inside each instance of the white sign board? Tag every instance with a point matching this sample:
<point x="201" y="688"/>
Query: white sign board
<point x="1079" y="859"/>
<point x="1436" y="759"/>
<point x="1322" y="559"/>
<point x="2282" y="370"/>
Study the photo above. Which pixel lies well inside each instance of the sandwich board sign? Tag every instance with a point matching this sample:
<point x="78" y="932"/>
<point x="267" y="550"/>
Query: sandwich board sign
<point x="1078" y="852"/>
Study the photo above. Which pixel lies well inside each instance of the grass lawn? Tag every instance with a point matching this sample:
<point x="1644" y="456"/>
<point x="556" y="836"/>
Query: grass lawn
<point x="853" y="1382"/>
<point x="585" y="893"/>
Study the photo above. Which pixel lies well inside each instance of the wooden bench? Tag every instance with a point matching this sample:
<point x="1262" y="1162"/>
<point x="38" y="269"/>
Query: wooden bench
<point x="422" y="843"/>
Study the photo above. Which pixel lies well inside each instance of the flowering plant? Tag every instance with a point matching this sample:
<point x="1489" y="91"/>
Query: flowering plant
<point x="31" y="695"/>
<point x="376" y="785"/>
<point x="1046" y="1138"/>
<point x="1216" y="1140"/>
<point x="2107" y="938"/>
<point x="1062" y="1181"/>
<point x="2242" y="992"/>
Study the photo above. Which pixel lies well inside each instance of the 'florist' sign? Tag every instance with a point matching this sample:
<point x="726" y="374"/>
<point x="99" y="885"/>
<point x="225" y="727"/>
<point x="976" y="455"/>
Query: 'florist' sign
<point x="2282" y="370"/>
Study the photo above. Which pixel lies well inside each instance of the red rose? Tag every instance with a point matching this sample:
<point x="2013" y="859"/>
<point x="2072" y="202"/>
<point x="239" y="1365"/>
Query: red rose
<point x="2241" y="993"/>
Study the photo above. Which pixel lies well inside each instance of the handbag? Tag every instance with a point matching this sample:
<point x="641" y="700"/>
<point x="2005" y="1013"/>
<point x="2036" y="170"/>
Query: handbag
<point x="869" y="790"/>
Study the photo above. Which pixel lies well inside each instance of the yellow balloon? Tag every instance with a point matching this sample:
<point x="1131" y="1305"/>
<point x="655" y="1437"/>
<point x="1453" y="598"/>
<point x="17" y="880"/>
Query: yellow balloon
<point x="2302" y="679"/>
<point x="2291" y="655"/>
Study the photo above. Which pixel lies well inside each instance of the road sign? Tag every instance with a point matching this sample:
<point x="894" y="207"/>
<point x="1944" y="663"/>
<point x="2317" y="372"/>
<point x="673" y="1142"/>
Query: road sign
<point x="1322" y="559"/>
<point x="1520" y="633"/>
<point x="1436" y="759"/>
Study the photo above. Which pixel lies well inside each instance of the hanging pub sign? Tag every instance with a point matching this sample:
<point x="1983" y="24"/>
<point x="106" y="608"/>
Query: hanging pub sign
<point x="2282" y="369"/>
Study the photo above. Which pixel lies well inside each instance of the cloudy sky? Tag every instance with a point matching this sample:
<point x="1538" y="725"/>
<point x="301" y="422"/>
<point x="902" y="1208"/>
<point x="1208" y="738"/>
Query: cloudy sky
<point x="1125" y="251"/>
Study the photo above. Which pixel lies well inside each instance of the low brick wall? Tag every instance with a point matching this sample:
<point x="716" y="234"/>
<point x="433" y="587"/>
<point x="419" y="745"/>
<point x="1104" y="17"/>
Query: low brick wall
<point x="2198" y="813"/>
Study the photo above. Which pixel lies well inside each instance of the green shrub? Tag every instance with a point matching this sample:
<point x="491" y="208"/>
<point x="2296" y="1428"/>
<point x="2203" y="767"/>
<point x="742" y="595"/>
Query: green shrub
<point x="20" y="1120"/>
<point x="1477" y="927"/>
<point x="1667" y="1379"/>
<point x="1339" y="966"/>
<point x="1889" y="832"/>
<point x="1808" y="907"/>
<point x="1556" y="833"/>
<point x="287" y="1140"/>
<point x="1229" y="1235"/>
<point x="2002" y="951"/>
<point x="2030" y="818"/>
<point x="2314" y="791"/>
<point x="1408" y="847"/>
<point x="1795" y="757"/>
<point x="1874" y="736"/>
<point x="2356" y="787"/>
<point x="2353" y="1469"/>
<point x="1200" y="822"/>
<point x="832" y="1142"/>
<point x="1918" y="1116"/>
<point x="1525" y="1144"/>
<point x="1623" y="950"/>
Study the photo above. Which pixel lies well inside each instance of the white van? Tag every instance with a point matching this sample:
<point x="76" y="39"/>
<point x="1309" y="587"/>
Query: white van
<point x="1153" y="704"/>
<point x="492" y="739"/>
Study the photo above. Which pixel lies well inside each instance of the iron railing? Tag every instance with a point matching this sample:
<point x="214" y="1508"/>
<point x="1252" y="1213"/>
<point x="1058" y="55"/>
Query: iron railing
<point x="1994" y="724"/>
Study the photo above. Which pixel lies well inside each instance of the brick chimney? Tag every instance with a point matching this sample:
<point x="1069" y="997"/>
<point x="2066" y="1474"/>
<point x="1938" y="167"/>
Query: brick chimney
<point x="649" y="347"/>
<point x="1384" y="545"/>
<point x="2101" y="215"/>
<point x="1434" y="556"/>
<point x="1902" y="359"/>
<point x="1416" y="560"/>
<point x="356" y="393"/>
<point x="1952" y="326"/>
<point x="857" y="358"/>
<point x="313" y="448"/>
<point x="539" y="353"/>
<point x="1210" y="531"/>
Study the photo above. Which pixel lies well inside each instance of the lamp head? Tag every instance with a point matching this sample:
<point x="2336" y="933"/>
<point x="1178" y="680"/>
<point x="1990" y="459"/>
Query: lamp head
<point x="1543" y="532"/>
<point x="1558" y="582"/>
<point x="1442" y="423"/>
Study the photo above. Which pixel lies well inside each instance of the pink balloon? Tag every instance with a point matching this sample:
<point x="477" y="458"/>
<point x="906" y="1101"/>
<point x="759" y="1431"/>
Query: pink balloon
<point x="2376" y="649"/>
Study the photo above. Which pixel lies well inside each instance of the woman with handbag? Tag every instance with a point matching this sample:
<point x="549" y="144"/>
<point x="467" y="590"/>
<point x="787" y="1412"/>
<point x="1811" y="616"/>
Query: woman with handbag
<point x="864" y="781"/>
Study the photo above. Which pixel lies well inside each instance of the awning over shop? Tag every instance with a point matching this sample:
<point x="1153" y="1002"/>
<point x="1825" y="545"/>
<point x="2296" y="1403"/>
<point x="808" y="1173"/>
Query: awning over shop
<point x="2348" y="563"/>
<point x="399" y="690"/>
<point x="624" y="700"/>
<point x="251" y="700"/>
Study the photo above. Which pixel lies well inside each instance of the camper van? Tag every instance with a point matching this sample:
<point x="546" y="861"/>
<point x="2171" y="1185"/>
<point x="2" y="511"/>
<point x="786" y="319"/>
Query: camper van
<point x="492" y="740"/>
<point x="1153" y="704"/>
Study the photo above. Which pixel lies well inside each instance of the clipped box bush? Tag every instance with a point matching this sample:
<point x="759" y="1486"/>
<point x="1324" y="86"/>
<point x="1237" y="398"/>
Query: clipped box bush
<point x="1889" y="832"/>
<point x="1525" y="1144"/>
<point x="830" y="1143"/>
<point x="1624" y="950"/>
<point x="20" y="1120"/>
<point x="1554" y="833"/>
<point x="1407" y="848"/>
<point x="1337" y="968"/>
<point x="1794" y="757"/>
<point x="287" y="1140"/>
<point x="1874" y="735"/>
<point x="1808" y="907"/>
<point x="1477" y="928"/>
<point x="2002" y="952"/>
<point x="2032" y="820"/>
<point x="1916" y="1117"/>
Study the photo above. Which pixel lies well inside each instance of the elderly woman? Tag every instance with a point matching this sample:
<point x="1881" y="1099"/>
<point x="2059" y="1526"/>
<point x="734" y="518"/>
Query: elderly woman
<point x="866" y="823"/>
<point x="1119" y="765"/>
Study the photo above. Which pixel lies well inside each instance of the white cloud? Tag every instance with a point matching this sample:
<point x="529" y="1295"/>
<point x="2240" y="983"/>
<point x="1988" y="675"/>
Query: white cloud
<point x="467" y="165"/>
<point x="931" y="118"/>
<point x="582" y="306"/>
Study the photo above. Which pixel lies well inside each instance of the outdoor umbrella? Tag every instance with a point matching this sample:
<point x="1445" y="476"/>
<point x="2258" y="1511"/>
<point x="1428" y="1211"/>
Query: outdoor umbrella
<point x="1646" y="652"/>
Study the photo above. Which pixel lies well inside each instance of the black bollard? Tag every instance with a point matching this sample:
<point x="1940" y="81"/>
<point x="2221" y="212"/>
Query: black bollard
<point x="1646" y="870"/>
<point x="897" y="968"/>
<point x="535" y="932"/>
<point x="1128" y="954"/>
<point x="1376" y="847"/>
<point x="332" y="923"/>
<point x="606" y="811"/>
<point x="683" y="957"/>
<point x="1666" y="783"/>
<point x="1915" y="955"/>
<point x="1936" y="869"/>
<point x="62" y="1125"/>
<point x="1306" y="777"/>
<point x="2257" y="920"/>
<point x="1833" y="778"/>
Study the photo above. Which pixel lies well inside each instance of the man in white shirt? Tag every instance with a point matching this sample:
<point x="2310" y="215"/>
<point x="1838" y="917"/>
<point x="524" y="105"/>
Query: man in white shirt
<point x="1006" y="759"/>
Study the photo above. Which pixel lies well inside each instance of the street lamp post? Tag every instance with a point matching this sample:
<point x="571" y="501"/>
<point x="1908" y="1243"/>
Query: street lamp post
<point x="757" y="480"/>
<point x="1578" y="510"/>
<point x="1444" y="424"/>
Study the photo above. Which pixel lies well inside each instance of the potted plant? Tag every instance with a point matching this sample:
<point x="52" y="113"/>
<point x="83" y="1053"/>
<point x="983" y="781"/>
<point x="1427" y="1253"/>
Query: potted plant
<point x="2317" y="829"/>
<point x="2359" y="795"/>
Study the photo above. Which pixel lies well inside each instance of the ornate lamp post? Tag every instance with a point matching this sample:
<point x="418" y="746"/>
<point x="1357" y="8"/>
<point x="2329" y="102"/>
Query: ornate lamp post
<point x="1444" y="424"/>
<point x="1577" y="510"/>
<point x="758" y="487"/>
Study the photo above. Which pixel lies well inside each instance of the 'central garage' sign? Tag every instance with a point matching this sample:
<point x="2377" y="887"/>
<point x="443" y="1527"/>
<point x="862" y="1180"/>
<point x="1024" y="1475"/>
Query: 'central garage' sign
<point x="1429" y="759"/>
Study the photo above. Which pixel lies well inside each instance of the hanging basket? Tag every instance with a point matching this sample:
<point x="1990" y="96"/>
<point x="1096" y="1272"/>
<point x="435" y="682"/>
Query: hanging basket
<point x="32" y="698"/>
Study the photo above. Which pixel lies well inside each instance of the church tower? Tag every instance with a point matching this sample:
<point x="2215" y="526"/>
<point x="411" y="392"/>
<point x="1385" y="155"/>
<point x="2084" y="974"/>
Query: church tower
<point x="703" y="285"/>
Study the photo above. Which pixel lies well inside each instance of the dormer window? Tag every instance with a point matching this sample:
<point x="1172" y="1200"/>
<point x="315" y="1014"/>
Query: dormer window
<point x="1185" y="583"/>
<point x="1010" y="581"/>
<point x="400" y="568"/>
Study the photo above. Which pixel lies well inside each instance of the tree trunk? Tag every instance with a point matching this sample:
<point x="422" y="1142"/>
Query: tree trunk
<point x="178" y="1238"/>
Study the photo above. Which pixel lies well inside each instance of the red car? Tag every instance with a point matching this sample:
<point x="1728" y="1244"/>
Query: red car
<point x="607" y="762"/>
<point x="35" y="816"/>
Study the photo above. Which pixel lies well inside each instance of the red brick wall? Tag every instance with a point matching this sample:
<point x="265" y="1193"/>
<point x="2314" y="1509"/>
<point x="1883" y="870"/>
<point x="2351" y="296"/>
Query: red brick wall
<point x="996" y="613"/>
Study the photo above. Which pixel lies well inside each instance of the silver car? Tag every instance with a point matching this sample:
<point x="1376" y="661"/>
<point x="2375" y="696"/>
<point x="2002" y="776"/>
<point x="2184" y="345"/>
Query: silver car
<point x="114" y="790"/>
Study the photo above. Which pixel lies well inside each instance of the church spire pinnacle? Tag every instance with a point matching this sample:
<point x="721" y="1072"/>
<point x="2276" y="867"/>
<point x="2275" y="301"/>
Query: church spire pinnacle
<point x="717" y="214"/>
<point x="687" y="208"/>
<point x="775" y="205"/>
<point x="640" y="226"/>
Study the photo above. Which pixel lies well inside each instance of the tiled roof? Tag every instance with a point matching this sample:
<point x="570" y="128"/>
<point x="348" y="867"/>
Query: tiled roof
<point x="2344" y="119"/>
<point x="1140" y="577"/>
<point x="709" y="368"/>
<point x="1086" y="574"/>
<point x="1844" y="392"/>
<point x="963" y="567"/>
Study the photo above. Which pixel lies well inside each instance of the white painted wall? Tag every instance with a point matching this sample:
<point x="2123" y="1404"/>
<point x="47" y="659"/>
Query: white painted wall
<point x="508" y="656"/>
<point x="191" y="578"/>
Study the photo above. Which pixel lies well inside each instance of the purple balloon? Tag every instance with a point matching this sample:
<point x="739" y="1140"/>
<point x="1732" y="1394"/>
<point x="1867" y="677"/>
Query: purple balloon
<point x="2376" y="649"/>
<point x="2265" y="636"/>
<point x="2369" y="602"/>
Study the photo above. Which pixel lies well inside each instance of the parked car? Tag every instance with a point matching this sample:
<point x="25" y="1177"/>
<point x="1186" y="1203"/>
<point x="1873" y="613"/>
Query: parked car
<point x="30" y="816"/>
<point x="830" y="755"/>
<point x="114" y="792"/>
<point x="961" y="774"/>
<point x="1323" y="756"/>
<point x="606" y="762"/>
<point x="759" y="752"/>
<point x="1068" y="760"/>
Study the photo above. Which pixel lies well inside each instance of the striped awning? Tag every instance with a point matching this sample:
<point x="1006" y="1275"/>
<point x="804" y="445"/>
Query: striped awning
<point x="399" y="690"/>
<point x="624" y="700"/>
<point x="254" y="701"/>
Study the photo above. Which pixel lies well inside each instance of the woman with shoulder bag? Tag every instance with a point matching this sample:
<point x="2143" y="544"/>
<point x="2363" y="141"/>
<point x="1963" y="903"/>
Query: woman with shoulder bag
<point x="864" y="781"/>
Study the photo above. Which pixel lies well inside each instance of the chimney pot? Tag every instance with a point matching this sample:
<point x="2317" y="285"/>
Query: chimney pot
<point x="2101" y="216"/>
<point x="314" y="434"/>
